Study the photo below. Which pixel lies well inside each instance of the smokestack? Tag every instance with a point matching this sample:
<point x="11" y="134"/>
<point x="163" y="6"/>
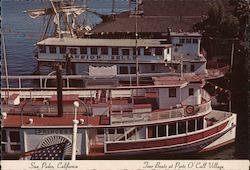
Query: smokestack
<point x="59" y="91"/>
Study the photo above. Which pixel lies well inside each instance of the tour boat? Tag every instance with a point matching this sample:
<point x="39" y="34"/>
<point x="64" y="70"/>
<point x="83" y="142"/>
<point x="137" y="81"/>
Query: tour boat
<point x="172" y="115"/>
<point x="135" y="96"/>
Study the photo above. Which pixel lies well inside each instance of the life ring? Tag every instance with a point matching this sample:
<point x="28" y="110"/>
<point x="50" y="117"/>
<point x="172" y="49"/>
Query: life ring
<point x="190" y="109"/>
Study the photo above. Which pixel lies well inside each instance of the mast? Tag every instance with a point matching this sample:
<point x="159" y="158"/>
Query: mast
<point x="136" y="44"/>
<point x="5" y="62"/>
<point x="57" y="18"/>
<point x="113" y="6"/>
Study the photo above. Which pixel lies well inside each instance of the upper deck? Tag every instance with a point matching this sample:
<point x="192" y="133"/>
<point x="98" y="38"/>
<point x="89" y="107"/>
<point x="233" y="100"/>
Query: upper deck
<point x="99" y="107"/>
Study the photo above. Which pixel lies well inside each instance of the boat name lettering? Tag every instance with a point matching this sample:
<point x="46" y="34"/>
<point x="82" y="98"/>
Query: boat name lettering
<point x="52" y="131"/>
<point x="98" y="57"/>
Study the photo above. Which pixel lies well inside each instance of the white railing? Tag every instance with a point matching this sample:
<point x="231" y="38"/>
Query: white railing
<point x="151" y="116"/>
<point x="49" y="110"/>
<point x="40" y="81"/>
<point x="161" y="115"/>
<point x="205" y="95"/>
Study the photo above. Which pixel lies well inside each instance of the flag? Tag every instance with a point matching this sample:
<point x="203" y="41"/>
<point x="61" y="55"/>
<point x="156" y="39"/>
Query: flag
<point x="53" y="152"/>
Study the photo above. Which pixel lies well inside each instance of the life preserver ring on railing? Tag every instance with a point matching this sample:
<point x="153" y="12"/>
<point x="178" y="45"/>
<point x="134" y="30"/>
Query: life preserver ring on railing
<point x="190" y="109"/>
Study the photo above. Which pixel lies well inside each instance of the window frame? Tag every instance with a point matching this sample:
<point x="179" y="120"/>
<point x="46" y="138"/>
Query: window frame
<point x="52" y="49"/>
<point x="182" y="41"/>
<point x="195" y="41"/>
<point x="125" y="51"/>
<point x="104" y="51"/>
<point x="115" y="51"/>
<point x="42" y="49"/>
<point x="73" y="51"/>
<point x="191" y="91"/>
<point x="93" y="51"/>
<point x="172" y="92"/>
<point x="188" y="41"/>
<point x="124" y="67"/>
<point x="158" y="51"/>
<point x="83" y="50"/>
<point x="62" y="49"/>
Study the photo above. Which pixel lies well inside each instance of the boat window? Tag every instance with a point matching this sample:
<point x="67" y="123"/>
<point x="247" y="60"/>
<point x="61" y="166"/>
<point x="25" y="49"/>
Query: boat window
<point x="100" y="131"/>
<point x="191" y="91"/>
<point x="73" y="51"/>
<point x="111" y="131"/>
<point x="199" y="123"/>
<point x="14" y="136"/>
<point x="176" y="67"/>
<point x="152" y="67"/>
<point x="141" y="132"/>
<point x="131" y="135"/>
<point x="42" y="49"/>
<point x="15" y="147"/>
<point x="52" y="49"/>
<point x="168" y="51"/>
<point x="4" y="137"/>
<point x="181" y="127"/>
<point x="151" y="131"/>
<point x="123" y="70"/>
<point x="132" y="70"/>
<point x="121" y="136"/>
<point x="147" y="51"/>
<point x="3" y="147"/>
<point x="104" y="51"/>
<point x="182" y="41"/>
<point x="172" y="129"/>
<point x="158" y="51"/>
<point x="172" y="92"/>
<point x="161" y="130"/>
<point x="188" y="41"/>
<point x="191" y="125"/>
<point x="195" y="41"/>
<point x="120" y="131"/>
<point x="184" y="68"/>
<point x="115" y="51"/>
<point x="175" y="49"/>
<point x="83" y="50"/>
<point x="134" y="51"/>
<point x="93" y="50"/>
<point x="62" y="50"/>
<point x="125" y="51"/>
<point x="192" y="67"/>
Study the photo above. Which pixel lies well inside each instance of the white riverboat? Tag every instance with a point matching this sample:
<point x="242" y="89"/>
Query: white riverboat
<point x="109" y="114"/>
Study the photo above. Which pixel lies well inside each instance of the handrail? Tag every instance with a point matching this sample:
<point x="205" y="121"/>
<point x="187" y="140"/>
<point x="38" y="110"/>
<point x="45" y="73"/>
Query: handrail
<point x="158" y="115"/>
<point x="42" y="78"/>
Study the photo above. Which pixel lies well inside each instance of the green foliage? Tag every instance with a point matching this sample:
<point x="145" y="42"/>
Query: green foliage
<point x="216" y="13"/>
<point x="230" y="27"/>
<point x="217" y="25"/>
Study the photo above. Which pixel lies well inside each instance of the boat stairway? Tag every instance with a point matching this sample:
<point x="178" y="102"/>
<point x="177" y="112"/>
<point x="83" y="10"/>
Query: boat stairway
<point x="129" y="134"/>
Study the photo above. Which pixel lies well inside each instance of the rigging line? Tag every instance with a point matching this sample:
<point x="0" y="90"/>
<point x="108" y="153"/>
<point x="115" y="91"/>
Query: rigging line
<point x="46" y="29"/>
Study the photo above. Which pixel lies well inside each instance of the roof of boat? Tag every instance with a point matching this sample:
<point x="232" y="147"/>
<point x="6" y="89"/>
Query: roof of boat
<point x="66" y="120"/>
<point x="104" y="42"/>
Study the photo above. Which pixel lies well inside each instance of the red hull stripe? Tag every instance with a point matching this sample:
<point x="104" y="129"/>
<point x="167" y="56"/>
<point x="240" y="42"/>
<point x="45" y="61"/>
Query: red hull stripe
<point x="164" y="142"/>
